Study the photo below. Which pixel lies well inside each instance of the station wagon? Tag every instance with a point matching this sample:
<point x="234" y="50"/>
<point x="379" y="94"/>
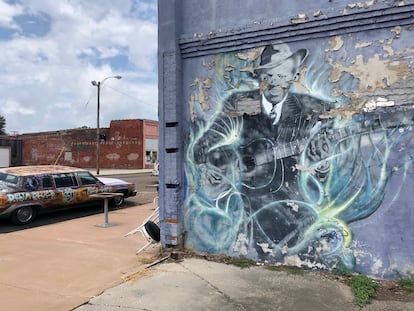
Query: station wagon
<point x="26" y="191"/>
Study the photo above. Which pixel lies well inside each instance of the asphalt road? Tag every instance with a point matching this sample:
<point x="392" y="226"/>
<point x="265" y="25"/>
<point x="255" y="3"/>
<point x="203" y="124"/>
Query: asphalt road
<point x="145" y="184"/>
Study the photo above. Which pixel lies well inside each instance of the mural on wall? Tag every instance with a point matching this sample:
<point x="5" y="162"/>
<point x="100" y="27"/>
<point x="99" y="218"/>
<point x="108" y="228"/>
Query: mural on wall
<point x="281" y="158"/>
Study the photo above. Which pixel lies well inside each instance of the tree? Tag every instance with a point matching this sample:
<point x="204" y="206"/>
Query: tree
<point x="2" y="125"/>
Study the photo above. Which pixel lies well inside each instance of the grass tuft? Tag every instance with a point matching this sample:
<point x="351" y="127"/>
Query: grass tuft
<point x="242" y="262"/>
<point x="406" y="283"/>
<point x="288" y="269"/>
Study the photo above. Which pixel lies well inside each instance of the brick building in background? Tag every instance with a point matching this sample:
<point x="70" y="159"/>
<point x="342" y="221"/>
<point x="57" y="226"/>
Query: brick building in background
<point x="125" y="144"/>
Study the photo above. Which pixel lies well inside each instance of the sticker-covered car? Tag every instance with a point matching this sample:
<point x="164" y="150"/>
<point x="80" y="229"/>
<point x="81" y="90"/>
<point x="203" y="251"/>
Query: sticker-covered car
<point x="26" y="191"/>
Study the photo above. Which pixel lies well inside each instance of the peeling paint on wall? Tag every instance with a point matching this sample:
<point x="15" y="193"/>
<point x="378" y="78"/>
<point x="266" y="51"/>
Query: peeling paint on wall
<point x="335" y="44"/>
<point x="397" y="31"/>
<point x="200" y="97"/>
<point x="375" y="72"/>
<point x="360" y="45"/>
<point x="299" y="19"/>
<point x="359" y="5"/>
<point x="317" y="13"/>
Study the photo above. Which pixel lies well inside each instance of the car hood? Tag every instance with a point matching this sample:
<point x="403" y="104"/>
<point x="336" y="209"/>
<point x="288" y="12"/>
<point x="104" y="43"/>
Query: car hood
<point x="112" y="181"/>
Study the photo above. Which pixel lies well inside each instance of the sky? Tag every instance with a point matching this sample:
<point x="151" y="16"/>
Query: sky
<point x="50" y="51"/>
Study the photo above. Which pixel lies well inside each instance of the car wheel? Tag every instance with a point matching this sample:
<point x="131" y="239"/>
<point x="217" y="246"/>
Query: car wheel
<point x="118" y="201"/>
<point x="24" y="215"/>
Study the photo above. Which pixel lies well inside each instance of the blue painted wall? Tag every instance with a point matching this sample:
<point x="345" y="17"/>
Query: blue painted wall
<point x="286" y="132"/>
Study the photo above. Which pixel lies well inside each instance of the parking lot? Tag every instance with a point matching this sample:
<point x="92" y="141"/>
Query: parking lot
<point x="63" y="259"/>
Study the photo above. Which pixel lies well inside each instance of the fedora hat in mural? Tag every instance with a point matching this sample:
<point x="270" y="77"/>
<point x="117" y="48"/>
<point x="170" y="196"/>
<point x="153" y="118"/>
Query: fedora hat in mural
<point x="273" y="55"/>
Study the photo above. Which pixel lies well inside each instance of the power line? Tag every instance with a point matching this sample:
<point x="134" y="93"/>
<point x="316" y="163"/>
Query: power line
<point x="125" y="94"/>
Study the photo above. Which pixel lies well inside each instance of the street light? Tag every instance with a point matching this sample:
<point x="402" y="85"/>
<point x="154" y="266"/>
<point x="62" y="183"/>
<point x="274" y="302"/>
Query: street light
<point x="98" y="85"/>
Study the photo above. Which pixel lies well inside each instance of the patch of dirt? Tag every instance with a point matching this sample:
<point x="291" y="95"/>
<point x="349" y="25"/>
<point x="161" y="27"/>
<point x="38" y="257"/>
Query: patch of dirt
<point x="147" y="259"/>
<point x="386" y="290"/>
<point x="142" y="273"/>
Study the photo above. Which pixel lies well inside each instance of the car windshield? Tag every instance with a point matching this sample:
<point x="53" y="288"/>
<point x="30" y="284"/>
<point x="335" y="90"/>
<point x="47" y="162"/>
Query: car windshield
<point x="9" y="178"/>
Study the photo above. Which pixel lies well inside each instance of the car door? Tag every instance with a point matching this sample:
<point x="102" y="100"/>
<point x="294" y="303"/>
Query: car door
<point x="67" y="186"/>
<point x="88" y="185"/>
<point x="49" y="193"/>
<point x="39" y="189"/>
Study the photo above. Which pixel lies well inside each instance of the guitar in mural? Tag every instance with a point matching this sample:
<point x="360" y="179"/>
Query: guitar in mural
<point x="260" y="156"/>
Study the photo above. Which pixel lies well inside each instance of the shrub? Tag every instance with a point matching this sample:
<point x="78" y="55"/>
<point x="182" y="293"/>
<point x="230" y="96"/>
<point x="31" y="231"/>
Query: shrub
<point x="363" y="288"/>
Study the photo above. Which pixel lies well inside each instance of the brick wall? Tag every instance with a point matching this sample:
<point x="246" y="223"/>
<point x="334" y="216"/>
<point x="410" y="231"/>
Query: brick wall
<point x="121" y="146"/>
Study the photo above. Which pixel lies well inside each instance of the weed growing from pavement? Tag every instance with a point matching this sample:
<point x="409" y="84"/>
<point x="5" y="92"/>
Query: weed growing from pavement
<point x="242" y="262"/>
<point x="406" y="283"/>
<point x="363" y="289"/>
<point x="288" y="269"/>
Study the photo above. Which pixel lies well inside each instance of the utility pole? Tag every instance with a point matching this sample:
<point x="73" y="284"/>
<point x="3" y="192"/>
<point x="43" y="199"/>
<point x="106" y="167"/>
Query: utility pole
<point x="98" y="138"/>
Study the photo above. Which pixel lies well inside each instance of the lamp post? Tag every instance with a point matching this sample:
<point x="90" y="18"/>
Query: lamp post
<point x="98" y="85"/>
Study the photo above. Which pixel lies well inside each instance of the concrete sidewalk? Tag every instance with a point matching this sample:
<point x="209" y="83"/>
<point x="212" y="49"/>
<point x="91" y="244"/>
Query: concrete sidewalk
<point x="195" y="284"/>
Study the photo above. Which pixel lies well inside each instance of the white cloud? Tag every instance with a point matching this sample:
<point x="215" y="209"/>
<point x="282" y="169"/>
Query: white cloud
<point x="11" y="106"/>
<point x="45" y="79"/>
<point x="7" y="12"/>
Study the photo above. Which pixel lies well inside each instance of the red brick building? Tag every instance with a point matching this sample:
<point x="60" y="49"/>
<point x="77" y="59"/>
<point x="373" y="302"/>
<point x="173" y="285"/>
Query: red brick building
<point x="125" y="144"/>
